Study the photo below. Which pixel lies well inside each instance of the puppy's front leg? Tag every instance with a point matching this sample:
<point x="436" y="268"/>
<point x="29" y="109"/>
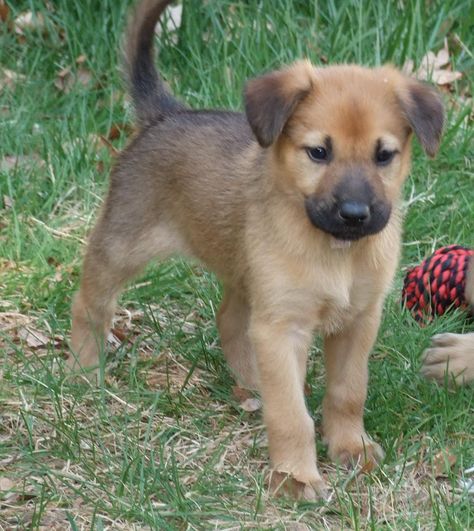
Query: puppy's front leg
<point x="281" y="350"/>
<point x="346" y="357"/>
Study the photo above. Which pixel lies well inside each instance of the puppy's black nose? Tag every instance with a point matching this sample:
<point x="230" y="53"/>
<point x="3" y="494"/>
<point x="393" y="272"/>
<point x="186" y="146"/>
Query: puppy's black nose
<point x="354" y="212"/>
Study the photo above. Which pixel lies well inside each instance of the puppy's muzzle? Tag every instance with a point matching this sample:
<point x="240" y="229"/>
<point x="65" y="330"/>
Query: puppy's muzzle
<point x="354" y="210"/>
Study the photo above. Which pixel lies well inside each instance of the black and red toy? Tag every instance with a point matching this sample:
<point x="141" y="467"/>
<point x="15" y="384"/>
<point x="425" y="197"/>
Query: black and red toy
<point x="438" y="283"/>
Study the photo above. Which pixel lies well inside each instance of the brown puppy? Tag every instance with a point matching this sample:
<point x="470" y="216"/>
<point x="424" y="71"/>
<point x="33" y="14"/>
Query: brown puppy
<point x="294" y="205"/>
<point x="452" y="353"/>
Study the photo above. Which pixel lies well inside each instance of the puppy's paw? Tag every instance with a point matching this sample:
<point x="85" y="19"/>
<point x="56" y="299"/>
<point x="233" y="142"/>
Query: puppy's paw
<point x="452" y="353"/>
<point x="308" y="489"/>
<point x="75" y="364"/>
<point x="76" y="373"/>
<point x="78" y="368"/>
<point x="361" y="451"/>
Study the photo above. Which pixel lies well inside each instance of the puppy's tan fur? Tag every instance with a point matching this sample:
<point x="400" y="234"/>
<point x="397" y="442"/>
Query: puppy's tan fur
<point x="230" y="190"/>
<point x="452" y="353"/>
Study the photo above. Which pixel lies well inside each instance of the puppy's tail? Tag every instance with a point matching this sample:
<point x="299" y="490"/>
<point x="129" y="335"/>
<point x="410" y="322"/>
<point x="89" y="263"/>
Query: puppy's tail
<point x="150" y="97"/>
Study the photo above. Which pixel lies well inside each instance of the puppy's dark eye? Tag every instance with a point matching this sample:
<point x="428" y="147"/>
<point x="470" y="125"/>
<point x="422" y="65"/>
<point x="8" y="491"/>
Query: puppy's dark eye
<point x="384" y="156"/>
<point x="317" y="154"/>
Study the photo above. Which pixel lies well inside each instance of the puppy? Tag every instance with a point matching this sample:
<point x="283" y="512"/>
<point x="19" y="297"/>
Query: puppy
<point x="452" y="353"/>
<point x="294" y="205"/>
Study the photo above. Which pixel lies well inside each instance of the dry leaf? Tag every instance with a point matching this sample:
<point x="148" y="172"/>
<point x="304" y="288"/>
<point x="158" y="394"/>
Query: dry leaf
<point x="10" y="162"/>
<point x="4" y="11"/>
<point x="7" y="202"/>
<point x="434" y="67"/>
<point x="7" y="265"/>
<point x="445" y="77"/>
<point x="175" y="14"/>
<point x="431" y="61"/>
<point x="8" y="78"/>
<point x="367" y="467"/>
<point x="6" y="484"/>
<point x="12" y="321"/>
<point x="408" y="67"/>
<point x="58" y="275"/>
<point x="100" y="166"/>
<point x="63" y="80"/>
<point x="105" y="142"/>
<point x="241" y="394"/>
<point x="442" y="57"/>
<point x="467" y="483"/>
<point x="114" y="132"/>
<point x="251" y="404"/>
<point x="443" y="461"/>
<point x="84" y="77"/>
<point x="113" y="341"/>
<point x="120" y="334"/>
<point x="172" y="19"/>
<point x="117" y="130"/>
<point x="66" y="78"/>
<point x="28" y="21"/>
<point x="52" y="261"/>
<point x="34" y="338"/>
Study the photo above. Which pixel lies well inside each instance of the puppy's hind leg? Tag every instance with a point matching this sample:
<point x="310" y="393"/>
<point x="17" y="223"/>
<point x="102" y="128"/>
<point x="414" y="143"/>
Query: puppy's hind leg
<point x="114" y="255"/>
<point x="233" y="323"/>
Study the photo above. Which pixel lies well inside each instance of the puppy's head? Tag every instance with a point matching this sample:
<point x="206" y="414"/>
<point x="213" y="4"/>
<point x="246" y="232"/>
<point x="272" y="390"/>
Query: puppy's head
<point x="340" y="137"/>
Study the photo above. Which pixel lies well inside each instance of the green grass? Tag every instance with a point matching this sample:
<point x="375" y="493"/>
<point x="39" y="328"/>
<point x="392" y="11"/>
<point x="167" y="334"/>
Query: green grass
<point x="163" y="444"/>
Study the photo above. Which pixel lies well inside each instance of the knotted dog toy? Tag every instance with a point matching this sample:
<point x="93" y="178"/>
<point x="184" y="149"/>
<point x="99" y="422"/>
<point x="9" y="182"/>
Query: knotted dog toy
<point x="438" y="283"/>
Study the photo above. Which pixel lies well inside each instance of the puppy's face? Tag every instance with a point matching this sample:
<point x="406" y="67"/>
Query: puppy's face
<point x="341" y="139"/>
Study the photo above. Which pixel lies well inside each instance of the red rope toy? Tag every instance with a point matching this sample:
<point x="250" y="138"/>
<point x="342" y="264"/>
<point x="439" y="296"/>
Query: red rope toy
<point x="438" y="283"/>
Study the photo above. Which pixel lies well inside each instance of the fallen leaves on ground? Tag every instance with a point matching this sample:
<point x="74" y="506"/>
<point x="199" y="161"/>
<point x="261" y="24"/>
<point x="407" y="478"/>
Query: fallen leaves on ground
<point x="171" y="19"/>
<point x="69" y="76"/>
<point x="10" y="162"/>
<point x="443" y="461"/>
<point x="8" y="78"/>
<point x="115" y="132"/>
<point x="251" y="405"/>
<point x="467" y="483"/>
<point x="22" y="329"/>
<point x="4" y="11"/>
<point x="246" y="400"/>
<point x="32" y="337"/>
<point x="241" y="394"/>
<point x="103" y="141"/>
<point x="434" y="67"/>
<point x="120" y="129"/>
<point x="7" y="202"/>
<point x="60" y="270"/>
<point x="67" y="79"/>
<point x="113" y="341"/>
<point x="12" y="320"/>
<point x="120" y="334"/>
<point x="6" y="484"/>
<point x="368" y="467"/>
<point x="28" y="21"/>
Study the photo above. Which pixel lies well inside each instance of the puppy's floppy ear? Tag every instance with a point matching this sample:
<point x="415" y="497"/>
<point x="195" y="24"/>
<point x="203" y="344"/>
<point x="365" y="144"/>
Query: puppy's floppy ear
<point x="424" y="110"/>
<point x="271" y="99"/>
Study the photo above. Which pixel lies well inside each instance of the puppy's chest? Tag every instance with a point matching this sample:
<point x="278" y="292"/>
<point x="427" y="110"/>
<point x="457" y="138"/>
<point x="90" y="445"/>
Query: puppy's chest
<point x="338" y="292"/>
